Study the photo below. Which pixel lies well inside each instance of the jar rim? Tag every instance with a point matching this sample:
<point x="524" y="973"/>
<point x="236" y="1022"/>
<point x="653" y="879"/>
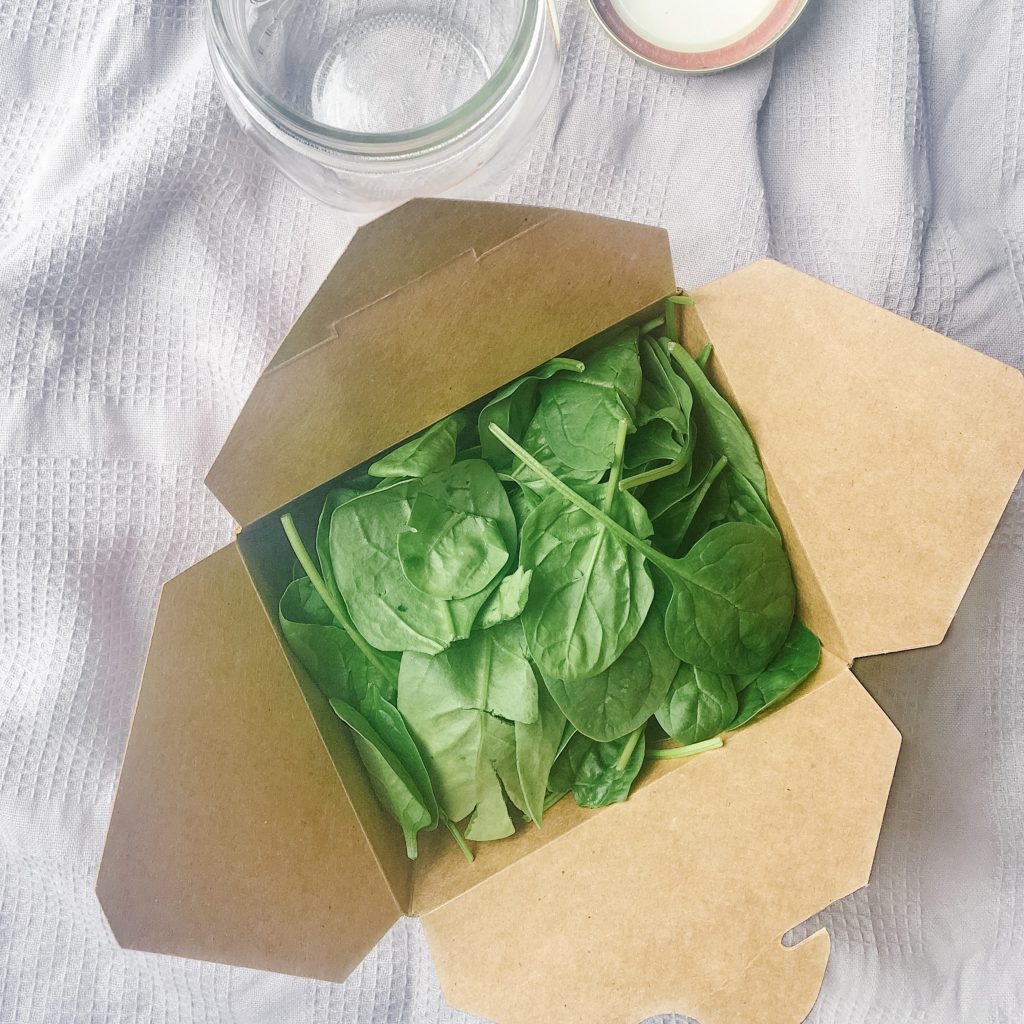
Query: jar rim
<point x="464" y="117"/>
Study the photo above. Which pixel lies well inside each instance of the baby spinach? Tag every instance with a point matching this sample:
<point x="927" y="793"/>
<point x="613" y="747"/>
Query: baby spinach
<point x="732" y="594"/>
<point x="386" y="608"/>
<point x="590" y="770"/>
<point x="625" y="695"/>
<point x="723" y="429"/>
<point x="699" y="705"/>
<point x="798" y="658"/>
<point x="513" y="407"/>
<point x="460" y="706"/>
<point x="428" y="452"/>
<point x="459" y="533"/>
<point x="508" y="600"/>
<point x="580" y="415"/>
<point x="510" y="605"/>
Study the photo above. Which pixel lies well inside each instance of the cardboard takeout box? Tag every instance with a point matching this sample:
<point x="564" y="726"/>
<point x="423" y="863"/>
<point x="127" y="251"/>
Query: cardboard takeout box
<point x="244" y="829"/>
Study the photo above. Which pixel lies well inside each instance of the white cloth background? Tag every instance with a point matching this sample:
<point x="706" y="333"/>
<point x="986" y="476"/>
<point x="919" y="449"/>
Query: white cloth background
<point x="150" y="261"/>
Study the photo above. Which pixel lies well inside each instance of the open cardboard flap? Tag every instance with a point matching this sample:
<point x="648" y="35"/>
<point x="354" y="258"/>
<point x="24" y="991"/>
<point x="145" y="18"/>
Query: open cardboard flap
<point x="891" y="450"/>
<point x="232" y="838"/>
<point x="443" y="340"/>
<point x="676" y="901"/>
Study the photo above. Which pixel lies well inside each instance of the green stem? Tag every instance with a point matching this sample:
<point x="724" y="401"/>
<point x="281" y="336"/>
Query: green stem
<point x="651" y="325"/>
<point x="627" y="750"/>
<point x="702" y="493"/>
<point x="704" y="355"/>
<point x="460" y="842"/>
<point x="302" y="554"/>
<point x="553" y="799"/>
<point x="655" y="557"/>
<point x="612" y="487"/>
<point x="668" y="753"/>
<point x="671" y="323"/>
<point x="658" y="473"/>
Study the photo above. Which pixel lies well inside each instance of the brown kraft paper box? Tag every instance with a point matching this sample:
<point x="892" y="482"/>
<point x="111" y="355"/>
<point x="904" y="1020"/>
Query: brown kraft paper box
<point x="244" y="830"/>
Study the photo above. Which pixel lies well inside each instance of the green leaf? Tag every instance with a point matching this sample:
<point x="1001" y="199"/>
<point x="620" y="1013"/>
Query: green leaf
<point x="589" y="594"/>
<point x="390" y="780"/>
<point x="719" y="425"/>
<point x="508" y="600"/>
<point x="428" y="452"/>
<point x="460" y="532"/>
<point x="798" y="658"/>
<point x="661" y="380"/>
<point x="387" y="609"/>
<point x="623" y="696"/>
<point x="513" y="406"/>
<point x="745" y="504"/>
<point x="699" y="705"/>
<point x="588" y="768"/>
<point x="675" y="505"/>
<point x="733" y="593"/>
<point x="733" y="600"/>
<point x="579" y="416"/>
<point x="460" y="706"/>
<point x="537" y="745"/>
<point x="530" y="482"/>
<point x="332" y="659"/>
<point x="335" y="498"/>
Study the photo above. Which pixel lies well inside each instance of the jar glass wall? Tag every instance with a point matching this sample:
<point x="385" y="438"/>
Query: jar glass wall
<point x="365" y="103"/>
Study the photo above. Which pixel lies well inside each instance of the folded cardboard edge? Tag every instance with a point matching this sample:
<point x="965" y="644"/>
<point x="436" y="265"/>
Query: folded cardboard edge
<point x="429" y="233"/>
<point x="230" y="836"/>
<point x="441" y="875"/>
<point x="778" y="854"/>
<point x="280" y="448"/>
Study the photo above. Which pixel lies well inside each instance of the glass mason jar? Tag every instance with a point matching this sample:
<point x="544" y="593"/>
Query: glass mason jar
<point x="364" y="103"/>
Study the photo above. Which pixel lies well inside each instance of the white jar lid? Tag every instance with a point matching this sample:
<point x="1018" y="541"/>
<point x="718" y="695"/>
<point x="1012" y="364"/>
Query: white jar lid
<point x="697" y="35"/>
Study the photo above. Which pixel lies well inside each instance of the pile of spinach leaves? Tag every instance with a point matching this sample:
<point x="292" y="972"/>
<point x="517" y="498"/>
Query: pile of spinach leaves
<point x="540" y="592"/>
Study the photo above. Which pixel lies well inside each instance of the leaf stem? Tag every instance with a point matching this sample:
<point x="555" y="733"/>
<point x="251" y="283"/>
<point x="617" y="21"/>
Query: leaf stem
<point x="669" y="753"/>
<point x="702" y="493"/>
<point x="627" y="750"/>
<point x="655" y="557"/>
<point x="552" y="799"/>
<point x="302" y="554"/>
<point x="652" y="325"/>
<point x="650" y="475"/>
<point x="704" y="356"/>
<point x="460" y="842"/>
<point x="612" y="487"/>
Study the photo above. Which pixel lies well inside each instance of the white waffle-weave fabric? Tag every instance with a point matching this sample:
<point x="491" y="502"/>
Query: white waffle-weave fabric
<point x="150" y="262"/>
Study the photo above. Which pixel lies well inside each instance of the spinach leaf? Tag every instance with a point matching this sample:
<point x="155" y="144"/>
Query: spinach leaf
<point x="733" y="595"/>
<point x="513" y="406"/>
<point x="330" y="656"/>
<point x="460" y="531"/>
<point x="589" y="593"/>
<point x="394" y="786"/>
<point x="719" y="424"/>
<point x="428" y="452"/>
<point x="623" y="696"/>
<point x="336" y="497"/>
<point x="579" y="416"/>
<point x="588" y="768"/>
<point x="674" y="507"/>
<point x="386" y="608"/>
<point x="508" y="600"/>
<point x="798" y="658"/>
<point x="744" y="503"/>
<point x="530" y="482"/>
<point x="661" y="380"/>
<point x="699" y="705"/>
<point x="460" y="706"/>
<point x="733" y="600"/>
<point x="537" y="746"/>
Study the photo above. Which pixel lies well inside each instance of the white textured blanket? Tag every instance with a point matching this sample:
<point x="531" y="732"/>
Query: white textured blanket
<point x="149" y="264"/>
